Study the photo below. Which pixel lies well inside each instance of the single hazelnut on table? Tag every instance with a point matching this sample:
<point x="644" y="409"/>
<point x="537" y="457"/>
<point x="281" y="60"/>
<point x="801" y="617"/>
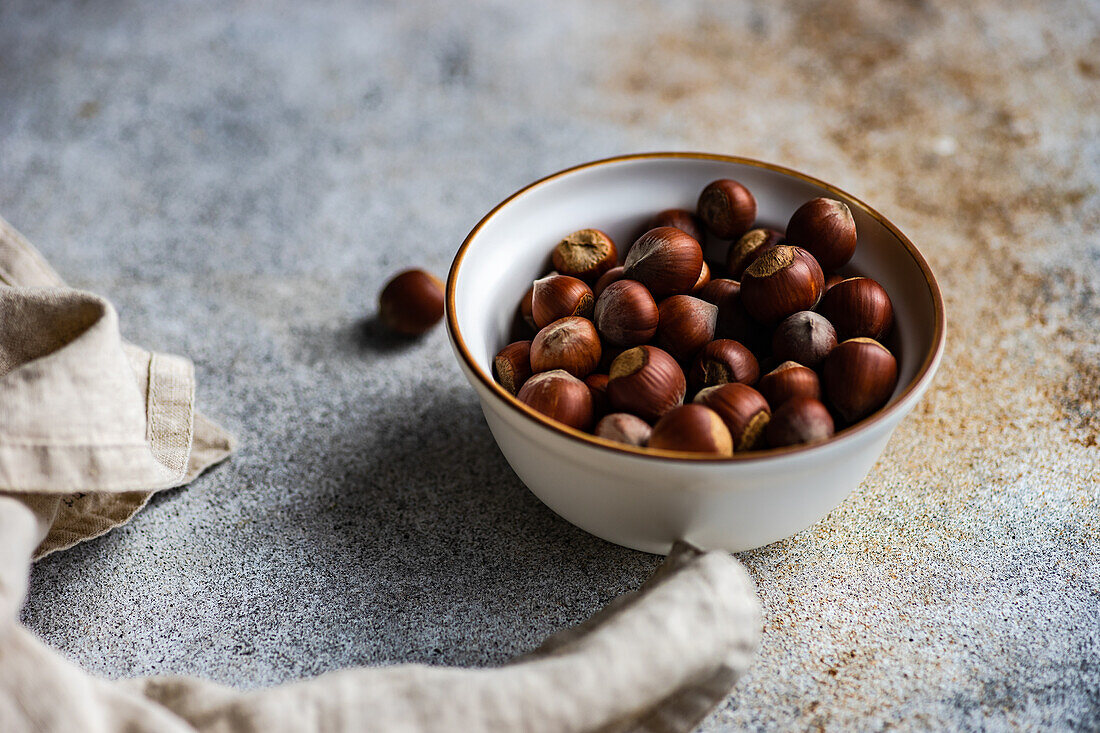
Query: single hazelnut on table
<point x="726" y="208"/>
<point x="570" y="343"/>
<point x="704" y="279"/>
<point x="585" y="254"/>
<point x="512" y="365"/>
<point x="411" y="303"/>
<point x="781" y="281"/>
<point x="613" y="275"/>
<point x="744" y="411"/>
<point x="858" y="306"/>
<point x="682" y="219"/>
<point x="826" y="229"/>
<point x="685" y="325"/>
<point x="751" y="245"/>
<point x="559" y="395"/>
<point x="805" y="337"/>
<point x="718" y="290"/>
<point x="626" y="314"/>
<point x="666" y="260"/>
<point x="559" y="296"/>
<point x="723" y="361"/>
<point x="799" y="420"/>
<point x="787" y="381"/>
<point x="647" y="382"/>
<point x="624" y="428"/>
<point x="859" y="376"/>
<point x="597" y="385"/>
<point x="692" y="428"/>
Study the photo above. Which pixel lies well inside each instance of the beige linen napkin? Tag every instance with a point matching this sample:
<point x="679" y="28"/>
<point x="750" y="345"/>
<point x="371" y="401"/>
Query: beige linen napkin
<point x="91" y="425"/>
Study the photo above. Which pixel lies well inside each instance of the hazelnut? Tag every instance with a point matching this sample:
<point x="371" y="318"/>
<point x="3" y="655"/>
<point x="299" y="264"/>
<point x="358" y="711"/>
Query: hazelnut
<point x="826" y="229"/>
<point x="666" y="260"/>
<point x="704" y="278"/>
<point x="751" y="245"/>
<point x="799" y="420"/>
<point x="694" y="429"/>
<point x="597" y="385"/>
<point x="646" y="382"/>
<point x="685" y="325"/>
<point x="787" y="381"/>
<point x="613" y="275"/>
<point x="858" y="306"/>
<point x="781" y="281"/>
<point x="526" y="308"/>
<point x="626" y="314"/>
<point x="559" y="296"/>
<point x="411" y="303"/>
<point x="723" y="361"/>
<point x="718" y="290"/>
<point x="570" y="343"/>
<point x="585" y="254"/>
<point x="831" y="280"/>
<point x="624" y="428"/>
<point x="682" y="219"/>
<point x="744" y="411"/>
<point x="726" y="208"/>
<point x="859" y="376"/>
<point x="559" y="395"/>
<point x="512" y="365"/>
<point x="805" y="337"/>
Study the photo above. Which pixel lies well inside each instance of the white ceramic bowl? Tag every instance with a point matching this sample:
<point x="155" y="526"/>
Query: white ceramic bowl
<point x="639" y="499"/>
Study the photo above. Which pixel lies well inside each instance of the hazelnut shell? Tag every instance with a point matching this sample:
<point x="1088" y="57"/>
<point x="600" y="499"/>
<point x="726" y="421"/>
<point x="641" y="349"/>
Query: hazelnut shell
<point x="826" y="229"/>
<point x="559" y="296"/>
<point x="626" y="314"/>
<point x="858" y="377"/>
<point x="569" y="343"/>
<point x="646" y="381"/>
<point x="781" y="281"/>
<point x="411" y="303"/>
<point x="692" y="428"/>
<point x="559" y="395"/>
<point x="726" y="208"/>
<point x="744" y="411"/>
<point x="858" y="307"/>
<point x="805" y="337"/>
<point x="585" y="254"/>
<point x="685" y="325"/>
<point x="624" y="428"/>
<point x="512" y="365"/>
<point x="723" y="361"/>
<point x="799" y="420"/>
<point x="666" y="260"/>
<point x="744" y="251"/>
<point x="787" y="381"/>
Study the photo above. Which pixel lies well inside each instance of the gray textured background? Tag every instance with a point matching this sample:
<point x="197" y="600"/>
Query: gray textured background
<point x="240" y="178"/>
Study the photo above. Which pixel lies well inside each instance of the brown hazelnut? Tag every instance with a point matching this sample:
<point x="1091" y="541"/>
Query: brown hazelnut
<point x="704" y="279"/>
<point x="858" y="306"/>
<point x="624" y="428"/>
<point x="799" y="420"/>
<point x="626" y="314"/>
<point x="597" y="385"/>
<point x="586" y="254"/>
<point x="723" y="361"/>
<point x="613" y="275"/>
<point x="751" y="245"/>
<point x="570" y="343"/>
<point x="646" y="382"/>
<point x="789" y="380"/>
<point x="666" y="260"/>
<point x="685" y="325"/>
<point x="411" y="303"/>
<point x="831" y="280"/>
<point x="694" y="429"/>
<point x="781" y="281"/>
<point x="859" y="376"/>
<point x="559" y="296"/>
<point x="682" y="219"/>
<point x="805" y="337"/>
<point x="559" y="395"/>
<point x="744" y="411"/>
<point x="512" y="365"/>
<point x="726" y="208"/>
<point x="526" y="308"/>
<point x="718" y="290"/>
<point x="826" y="229"/>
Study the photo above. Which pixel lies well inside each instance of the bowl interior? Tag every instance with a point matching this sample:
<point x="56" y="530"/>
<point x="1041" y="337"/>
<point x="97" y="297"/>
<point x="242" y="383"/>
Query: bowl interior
<point x="512" y="245"/>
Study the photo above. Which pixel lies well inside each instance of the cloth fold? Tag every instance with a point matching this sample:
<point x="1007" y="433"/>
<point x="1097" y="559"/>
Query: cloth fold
<point x="90" y="426"/>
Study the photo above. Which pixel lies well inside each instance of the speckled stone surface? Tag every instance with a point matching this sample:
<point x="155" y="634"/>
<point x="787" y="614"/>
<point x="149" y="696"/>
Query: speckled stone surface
<point x="240" y="178"/>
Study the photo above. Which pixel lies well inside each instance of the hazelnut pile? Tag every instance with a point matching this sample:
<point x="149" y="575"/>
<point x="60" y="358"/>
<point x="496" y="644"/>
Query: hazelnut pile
<point x="656" y="350"/>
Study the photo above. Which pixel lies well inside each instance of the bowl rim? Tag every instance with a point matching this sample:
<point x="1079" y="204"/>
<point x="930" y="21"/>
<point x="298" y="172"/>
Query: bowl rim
<point x="924" y="372"/>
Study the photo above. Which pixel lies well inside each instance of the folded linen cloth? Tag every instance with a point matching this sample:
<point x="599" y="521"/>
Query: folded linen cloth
<point x="90" y="426"/>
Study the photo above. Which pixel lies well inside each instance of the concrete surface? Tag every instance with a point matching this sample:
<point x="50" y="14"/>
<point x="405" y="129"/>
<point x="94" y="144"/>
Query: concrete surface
<point x="240" y="178"/>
